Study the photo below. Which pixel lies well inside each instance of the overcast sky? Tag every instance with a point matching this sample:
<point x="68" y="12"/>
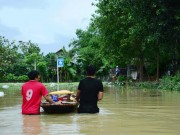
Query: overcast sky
<point x="49" y="23"/>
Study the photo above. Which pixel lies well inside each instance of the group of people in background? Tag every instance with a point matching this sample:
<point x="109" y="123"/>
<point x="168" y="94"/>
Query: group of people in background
<point x="89" y="92"/>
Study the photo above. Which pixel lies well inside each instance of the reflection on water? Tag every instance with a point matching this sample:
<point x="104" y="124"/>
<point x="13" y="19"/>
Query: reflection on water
<point x="31" y="124"/>
<point x="122" y="112"/>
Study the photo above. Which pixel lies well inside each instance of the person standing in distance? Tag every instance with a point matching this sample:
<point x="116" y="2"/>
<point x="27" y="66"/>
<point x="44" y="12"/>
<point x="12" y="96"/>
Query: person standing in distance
<point x="32" y="92"/>
<point x="117" y="72"/>
<point x="90" y="91"/>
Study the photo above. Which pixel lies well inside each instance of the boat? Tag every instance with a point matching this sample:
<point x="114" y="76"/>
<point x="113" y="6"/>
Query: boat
<point x="64" y="107"/>
<point x="66" y="99"/>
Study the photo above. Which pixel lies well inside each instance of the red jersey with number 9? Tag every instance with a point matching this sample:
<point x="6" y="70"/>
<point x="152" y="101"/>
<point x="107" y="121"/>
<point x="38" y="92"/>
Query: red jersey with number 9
<point x="32" y="92"/>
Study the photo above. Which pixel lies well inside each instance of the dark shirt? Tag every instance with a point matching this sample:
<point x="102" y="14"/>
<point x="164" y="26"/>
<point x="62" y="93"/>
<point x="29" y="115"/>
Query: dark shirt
<point x="89" y="88"/>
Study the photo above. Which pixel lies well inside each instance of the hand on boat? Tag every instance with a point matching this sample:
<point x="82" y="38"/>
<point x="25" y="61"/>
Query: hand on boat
<point x="56" y="103"/>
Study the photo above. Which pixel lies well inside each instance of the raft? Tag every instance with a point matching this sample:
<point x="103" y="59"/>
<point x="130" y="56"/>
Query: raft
<point x="65" y="107"/>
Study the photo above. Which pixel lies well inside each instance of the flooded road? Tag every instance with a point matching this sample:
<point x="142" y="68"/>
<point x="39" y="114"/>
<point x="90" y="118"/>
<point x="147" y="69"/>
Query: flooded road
<point x="122" y="112"/>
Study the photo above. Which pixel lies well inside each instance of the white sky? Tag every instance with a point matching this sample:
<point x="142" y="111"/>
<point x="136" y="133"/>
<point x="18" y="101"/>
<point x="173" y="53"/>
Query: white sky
<point x="49" y="23"/>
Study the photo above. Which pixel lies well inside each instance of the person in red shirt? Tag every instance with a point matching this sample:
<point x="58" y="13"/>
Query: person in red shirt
<point x="32" y="92"/>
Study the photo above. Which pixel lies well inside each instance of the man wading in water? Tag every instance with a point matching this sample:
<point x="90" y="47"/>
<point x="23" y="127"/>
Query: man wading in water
<point x="90" y="91"/>
<point x="32" y="92"/>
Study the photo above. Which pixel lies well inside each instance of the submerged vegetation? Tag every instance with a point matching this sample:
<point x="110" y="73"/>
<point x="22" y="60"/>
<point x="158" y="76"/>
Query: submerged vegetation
<point x="165" y="83"/>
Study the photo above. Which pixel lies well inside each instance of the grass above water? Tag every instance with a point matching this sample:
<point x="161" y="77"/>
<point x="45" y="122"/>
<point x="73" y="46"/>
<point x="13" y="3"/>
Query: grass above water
<point x="10" y="87"/>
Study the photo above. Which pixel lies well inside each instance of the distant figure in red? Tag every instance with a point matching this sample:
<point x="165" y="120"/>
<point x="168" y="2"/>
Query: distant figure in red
<point x="32" y="92"/>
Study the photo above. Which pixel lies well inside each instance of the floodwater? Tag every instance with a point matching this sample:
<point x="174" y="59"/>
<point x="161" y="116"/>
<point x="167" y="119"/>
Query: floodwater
<point x="122" y="112"/>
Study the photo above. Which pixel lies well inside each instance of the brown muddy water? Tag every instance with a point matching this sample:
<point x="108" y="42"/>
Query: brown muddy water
<point x="122" y="112"/>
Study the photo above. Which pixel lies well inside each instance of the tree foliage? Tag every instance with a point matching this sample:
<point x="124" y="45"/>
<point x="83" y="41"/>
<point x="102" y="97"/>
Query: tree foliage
<point x="143" y="33"/>
<point x="129" y="32"/>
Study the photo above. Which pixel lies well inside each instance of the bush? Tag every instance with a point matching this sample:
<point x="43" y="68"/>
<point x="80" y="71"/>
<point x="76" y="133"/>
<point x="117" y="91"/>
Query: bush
<point x="22" y="78"/>
<point x="9" y="77"/>
<point x="166" y="83"/>
<point x="170" y="82"/>
<point x="121" y="78"/>
<point x="12" y="78"/>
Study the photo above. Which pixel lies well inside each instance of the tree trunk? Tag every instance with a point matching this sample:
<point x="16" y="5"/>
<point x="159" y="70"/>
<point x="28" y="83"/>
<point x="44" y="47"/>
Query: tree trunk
<point x="35" y="64"/>
<point x="157" y="72"/>
<point x="141" y="69"/>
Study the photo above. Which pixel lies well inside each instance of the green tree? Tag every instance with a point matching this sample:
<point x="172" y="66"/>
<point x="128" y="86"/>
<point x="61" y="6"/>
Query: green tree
<point x="51" y="60"/>
<point x="87" y="47"/>
<point x="42" y="68"/>
<point x="132" y="30"/>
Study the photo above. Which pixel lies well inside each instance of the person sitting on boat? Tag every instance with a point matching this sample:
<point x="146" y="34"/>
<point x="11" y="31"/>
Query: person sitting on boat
<point x="90" y="91"/>
<point x="32" y="92"/>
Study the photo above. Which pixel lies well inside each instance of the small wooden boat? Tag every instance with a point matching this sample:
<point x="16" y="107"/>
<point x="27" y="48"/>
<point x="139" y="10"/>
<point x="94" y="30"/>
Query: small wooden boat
<point x="67" y="101"/>
<point x="65" y="107"/>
